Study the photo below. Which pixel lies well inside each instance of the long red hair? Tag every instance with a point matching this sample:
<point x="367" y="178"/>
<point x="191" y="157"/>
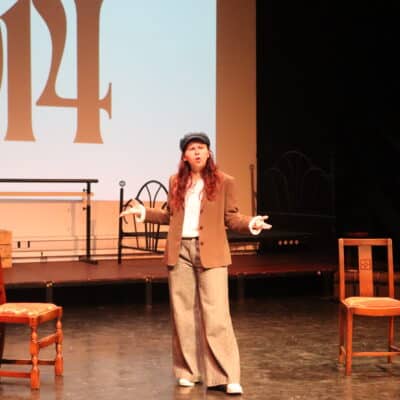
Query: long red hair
<point x="210" y="175"/>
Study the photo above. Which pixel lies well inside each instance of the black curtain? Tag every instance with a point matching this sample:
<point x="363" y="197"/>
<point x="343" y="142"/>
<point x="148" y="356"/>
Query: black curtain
<point x="328" y="86"/>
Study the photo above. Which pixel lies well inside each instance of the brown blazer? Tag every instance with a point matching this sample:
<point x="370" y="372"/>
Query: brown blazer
<point x="215" y="216"/>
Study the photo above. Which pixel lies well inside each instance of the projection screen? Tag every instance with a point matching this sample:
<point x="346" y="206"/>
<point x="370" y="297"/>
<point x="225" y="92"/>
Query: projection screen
<point x="103" y="89"/>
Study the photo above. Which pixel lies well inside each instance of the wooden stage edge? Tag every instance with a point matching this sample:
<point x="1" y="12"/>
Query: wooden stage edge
<point x="78" y="273"/>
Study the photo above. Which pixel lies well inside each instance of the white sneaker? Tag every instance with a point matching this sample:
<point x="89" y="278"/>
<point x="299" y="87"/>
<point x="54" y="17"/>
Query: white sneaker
<point x="185" y="382"/>
<point x="234" y="388"/>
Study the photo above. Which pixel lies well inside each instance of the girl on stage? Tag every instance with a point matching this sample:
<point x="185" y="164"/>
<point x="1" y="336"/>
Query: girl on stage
<point x="201" y="204"/>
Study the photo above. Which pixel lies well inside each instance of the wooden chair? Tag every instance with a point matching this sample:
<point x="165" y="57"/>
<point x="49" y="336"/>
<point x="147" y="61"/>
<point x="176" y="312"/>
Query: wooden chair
<point x="366" y="304"/>
<point x="32" y="315"/>
<point x="152" y="194"/>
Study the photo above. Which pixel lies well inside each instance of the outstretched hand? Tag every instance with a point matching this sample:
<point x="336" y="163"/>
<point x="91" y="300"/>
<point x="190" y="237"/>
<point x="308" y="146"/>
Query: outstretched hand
<point x="259" y="223"/>
<point x="134" y="209"/>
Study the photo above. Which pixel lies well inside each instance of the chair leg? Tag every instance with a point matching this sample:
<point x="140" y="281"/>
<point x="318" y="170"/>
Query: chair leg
<point x="59" y="362"/>
<point x="2" y="340"/>
<point x="349" y="341"/>
<point x="341" y="336"/>
<point x="34" y="350"/>
<point x="391" y="337"/>
<point x="119" y="251"/>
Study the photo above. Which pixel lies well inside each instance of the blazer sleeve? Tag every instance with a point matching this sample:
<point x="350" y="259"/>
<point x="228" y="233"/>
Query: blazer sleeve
<point x="234" y="220"/>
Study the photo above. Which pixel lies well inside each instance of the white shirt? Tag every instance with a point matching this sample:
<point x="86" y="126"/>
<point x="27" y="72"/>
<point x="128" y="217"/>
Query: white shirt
<point x="193" y="197"/>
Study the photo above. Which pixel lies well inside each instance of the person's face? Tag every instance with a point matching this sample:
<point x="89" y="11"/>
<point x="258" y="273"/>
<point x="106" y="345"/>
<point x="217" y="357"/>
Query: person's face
<point x="196" y="154"/>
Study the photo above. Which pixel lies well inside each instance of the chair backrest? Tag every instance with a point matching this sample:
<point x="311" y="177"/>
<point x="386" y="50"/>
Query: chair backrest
<point x="152" y="194"/>
<point x="299" y="192"/>
<point x="2" y="289"/>
<point x="363" y="260"/>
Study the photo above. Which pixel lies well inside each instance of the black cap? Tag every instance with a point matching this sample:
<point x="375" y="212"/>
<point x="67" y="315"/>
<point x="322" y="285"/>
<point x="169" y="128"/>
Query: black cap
<point x="189" y="137"/>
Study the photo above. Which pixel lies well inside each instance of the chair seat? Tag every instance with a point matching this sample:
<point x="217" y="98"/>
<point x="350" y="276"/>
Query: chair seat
<point x="32" y="315"/>
<point x="371" y="302"/>
<point x="27" y="310"/>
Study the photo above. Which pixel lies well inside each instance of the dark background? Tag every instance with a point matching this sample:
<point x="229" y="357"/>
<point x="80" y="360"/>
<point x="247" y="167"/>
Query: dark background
<point x="328" y="87"/>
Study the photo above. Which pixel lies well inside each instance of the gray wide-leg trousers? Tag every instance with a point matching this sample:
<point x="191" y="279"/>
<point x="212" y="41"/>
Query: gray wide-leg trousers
<point x="204" y="343"/>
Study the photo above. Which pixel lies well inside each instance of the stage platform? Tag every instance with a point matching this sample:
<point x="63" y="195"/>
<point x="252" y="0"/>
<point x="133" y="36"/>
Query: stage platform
<point x="52" y="275"/>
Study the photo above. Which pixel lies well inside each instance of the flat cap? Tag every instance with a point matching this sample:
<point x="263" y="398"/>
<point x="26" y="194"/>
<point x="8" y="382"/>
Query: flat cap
<point x="189" y="137"/>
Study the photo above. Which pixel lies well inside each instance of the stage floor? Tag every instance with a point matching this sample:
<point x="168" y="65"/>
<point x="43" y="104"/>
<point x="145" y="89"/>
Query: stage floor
<point x="288" y="351"/>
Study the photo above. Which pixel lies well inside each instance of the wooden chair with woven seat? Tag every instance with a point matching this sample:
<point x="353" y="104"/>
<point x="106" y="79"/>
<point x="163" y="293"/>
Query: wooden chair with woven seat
<point x="32" y="315"/>
<point x="366" y="304"/>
